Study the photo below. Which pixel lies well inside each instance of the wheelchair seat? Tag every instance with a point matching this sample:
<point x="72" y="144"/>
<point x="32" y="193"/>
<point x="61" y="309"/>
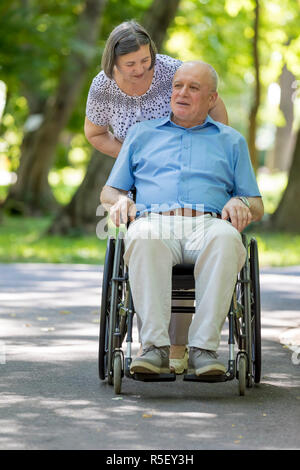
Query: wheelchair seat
<point x="183" y="277"/>
<point x="183" y="269"/>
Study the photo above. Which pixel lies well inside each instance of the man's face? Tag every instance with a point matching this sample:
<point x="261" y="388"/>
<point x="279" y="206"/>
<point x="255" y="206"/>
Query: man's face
<point x="192" y="95"/>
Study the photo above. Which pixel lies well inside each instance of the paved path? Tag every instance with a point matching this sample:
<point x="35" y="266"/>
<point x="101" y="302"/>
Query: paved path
<point x="51" y="397"/>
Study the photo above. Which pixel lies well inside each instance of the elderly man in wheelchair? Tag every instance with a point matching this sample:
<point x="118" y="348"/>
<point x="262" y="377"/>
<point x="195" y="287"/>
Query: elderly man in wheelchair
<point x="195" y="193"/>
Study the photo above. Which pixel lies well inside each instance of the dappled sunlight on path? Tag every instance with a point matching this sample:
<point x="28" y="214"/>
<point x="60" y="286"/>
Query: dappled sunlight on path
<point x="51" y="397"/>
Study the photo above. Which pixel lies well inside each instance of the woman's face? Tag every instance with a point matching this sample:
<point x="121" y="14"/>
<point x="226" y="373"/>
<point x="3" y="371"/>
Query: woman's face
<point x="134" y="66"/>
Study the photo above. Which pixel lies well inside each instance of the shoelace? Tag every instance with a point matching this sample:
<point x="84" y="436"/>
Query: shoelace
<point x="162" y="351"/>
<point x="198" y="352"/>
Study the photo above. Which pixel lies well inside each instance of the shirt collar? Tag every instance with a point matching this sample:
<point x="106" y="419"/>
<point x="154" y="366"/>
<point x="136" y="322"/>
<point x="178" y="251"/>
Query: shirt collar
<point x="209" y="121"/>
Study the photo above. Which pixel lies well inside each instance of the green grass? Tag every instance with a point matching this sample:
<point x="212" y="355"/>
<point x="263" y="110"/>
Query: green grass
<point x="23" y="240"/>
<point x="277" y="249"/>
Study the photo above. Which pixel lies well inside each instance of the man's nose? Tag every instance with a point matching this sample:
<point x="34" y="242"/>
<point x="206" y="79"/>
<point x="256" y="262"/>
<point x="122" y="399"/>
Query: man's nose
<point x="183" y="90"/>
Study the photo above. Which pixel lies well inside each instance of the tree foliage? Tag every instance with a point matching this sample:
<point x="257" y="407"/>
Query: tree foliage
<point x="38" y="38"/>
<point x="221" y="33"/>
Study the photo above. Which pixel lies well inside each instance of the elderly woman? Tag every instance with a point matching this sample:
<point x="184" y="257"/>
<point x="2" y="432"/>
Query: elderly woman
<point x="134" y="85"/>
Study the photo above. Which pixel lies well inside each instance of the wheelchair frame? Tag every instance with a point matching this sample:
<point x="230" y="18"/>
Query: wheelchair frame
<point x="117" y="311"/>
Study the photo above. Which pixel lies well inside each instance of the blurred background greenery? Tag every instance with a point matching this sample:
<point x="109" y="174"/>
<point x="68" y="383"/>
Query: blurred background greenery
<point x="50" y="177"/>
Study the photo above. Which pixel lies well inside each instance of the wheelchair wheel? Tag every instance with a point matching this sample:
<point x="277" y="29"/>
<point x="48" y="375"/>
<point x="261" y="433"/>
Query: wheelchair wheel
<point x="118" y="311"/>
<point x="242" y="365"/>
<point x="242" y="322"/>
<point x="117" y="373"/>
<point x="105" y="308"/>
<point x="255" y="311"/>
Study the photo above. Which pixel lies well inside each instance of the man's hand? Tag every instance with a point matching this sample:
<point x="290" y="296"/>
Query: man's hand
<point x="238" y="213"/>
<point x="123" y="209"/>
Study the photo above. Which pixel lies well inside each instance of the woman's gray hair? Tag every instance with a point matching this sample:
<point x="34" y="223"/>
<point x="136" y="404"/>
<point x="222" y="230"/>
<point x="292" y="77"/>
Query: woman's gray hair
<point x="125" y="38"/>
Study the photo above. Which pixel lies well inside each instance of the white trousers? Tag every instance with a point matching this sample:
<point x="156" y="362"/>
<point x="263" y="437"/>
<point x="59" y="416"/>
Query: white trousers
<point x="154" y="244"/>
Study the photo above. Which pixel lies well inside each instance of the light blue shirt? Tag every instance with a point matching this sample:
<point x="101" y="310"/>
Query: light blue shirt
<point x="172" y="166"/>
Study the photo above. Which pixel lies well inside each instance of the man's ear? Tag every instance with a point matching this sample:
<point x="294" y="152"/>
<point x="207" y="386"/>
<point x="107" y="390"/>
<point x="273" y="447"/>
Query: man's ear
<point x="213" y="99"/>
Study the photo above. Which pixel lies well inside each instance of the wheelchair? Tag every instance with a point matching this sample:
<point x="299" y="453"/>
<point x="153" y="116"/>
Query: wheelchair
<point x="117" y="312"/>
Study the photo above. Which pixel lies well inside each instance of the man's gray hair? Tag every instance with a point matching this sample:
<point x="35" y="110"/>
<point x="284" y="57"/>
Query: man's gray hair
<point x="214" y="77"/>
<point x="213" y="74"/>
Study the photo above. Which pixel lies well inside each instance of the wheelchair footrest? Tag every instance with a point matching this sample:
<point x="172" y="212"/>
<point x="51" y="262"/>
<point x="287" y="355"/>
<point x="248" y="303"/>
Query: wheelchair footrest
<point x="154" y="377"/>
<point x="206" y="378"/>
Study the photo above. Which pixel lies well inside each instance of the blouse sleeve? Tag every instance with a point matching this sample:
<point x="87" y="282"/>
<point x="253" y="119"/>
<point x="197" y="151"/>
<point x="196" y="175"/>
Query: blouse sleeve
<point x="166" y="67"/>
<point x="96" y="111"/>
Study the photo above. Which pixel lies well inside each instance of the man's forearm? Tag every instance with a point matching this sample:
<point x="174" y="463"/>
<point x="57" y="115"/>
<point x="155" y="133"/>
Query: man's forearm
<point x="256" y="208"/>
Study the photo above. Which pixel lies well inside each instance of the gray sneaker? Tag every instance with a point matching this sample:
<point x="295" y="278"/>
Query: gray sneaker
<point x="202" y="361"/>
<point x="153" y="360"/>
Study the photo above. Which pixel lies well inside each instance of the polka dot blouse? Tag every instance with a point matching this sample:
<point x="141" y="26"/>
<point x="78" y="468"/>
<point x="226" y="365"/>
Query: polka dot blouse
<point x="107" y="105"/>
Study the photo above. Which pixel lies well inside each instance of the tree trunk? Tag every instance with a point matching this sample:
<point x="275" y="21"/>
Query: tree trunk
<point x="158" y="18"/>
<point x="281" y="156"/>
<point x="256" y="101"/>
<point x="286" y="217"/>
<point x="31" y="194"/>
<point x="80" y="213"/>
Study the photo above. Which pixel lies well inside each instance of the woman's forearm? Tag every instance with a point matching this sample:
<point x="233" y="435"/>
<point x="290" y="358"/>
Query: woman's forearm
<point x="102" y="139"/>
<point x="106" y="143"/>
